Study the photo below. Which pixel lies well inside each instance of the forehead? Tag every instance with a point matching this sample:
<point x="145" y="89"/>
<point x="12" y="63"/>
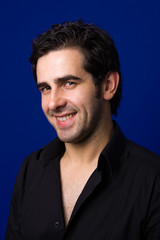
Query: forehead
<point x="60" y="62"/>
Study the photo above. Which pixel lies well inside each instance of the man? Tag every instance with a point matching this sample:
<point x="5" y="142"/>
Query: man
<point x="90" y="182"/>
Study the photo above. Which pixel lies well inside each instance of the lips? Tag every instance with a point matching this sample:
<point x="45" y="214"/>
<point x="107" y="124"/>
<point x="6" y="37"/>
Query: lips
<point x="64" y="118"/>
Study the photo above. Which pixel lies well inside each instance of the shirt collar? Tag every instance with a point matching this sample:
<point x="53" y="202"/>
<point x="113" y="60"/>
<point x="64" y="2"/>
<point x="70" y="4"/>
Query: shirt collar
<point x="114" y="150"/>
<point x="52" y="150"/>
<point x="110" y="155"/>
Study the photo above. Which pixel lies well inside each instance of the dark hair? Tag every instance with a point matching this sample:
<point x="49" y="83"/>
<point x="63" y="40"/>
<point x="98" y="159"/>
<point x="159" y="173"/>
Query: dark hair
<point x="100" y="54"/>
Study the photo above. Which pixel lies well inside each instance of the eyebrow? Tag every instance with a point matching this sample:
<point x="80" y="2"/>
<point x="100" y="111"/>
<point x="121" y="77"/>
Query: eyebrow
<point x="59" y="80"/>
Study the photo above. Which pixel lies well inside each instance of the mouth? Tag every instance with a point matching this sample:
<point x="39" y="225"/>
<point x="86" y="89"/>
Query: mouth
<point x="65" y="118"/>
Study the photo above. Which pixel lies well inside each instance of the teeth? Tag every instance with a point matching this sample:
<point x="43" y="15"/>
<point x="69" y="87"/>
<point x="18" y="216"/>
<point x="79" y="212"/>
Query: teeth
<point x="62" y="119"/>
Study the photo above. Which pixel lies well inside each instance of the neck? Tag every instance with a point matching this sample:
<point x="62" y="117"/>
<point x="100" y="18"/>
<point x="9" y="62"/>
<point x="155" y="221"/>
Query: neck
<point x="88" y="151"/>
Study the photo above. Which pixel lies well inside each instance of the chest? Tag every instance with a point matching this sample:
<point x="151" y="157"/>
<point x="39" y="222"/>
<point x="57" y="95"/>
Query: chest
<point x="72" y="185"/>
<point x="106" y="210"/>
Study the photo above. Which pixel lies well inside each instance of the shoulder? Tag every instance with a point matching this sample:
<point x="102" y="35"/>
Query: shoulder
<point x="142" y="157"/>
<point x="43" y="156"/>
<point x="34" y="166"/>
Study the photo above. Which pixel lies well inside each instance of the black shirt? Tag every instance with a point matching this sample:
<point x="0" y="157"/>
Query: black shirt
<point x="120" y="201"/>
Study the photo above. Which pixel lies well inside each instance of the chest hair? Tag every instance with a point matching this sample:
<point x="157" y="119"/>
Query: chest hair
<point x="72" y="184"/>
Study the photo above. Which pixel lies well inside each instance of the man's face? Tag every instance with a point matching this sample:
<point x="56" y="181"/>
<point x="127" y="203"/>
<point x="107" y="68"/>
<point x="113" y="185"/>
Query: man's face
<point x="69" y="95"/>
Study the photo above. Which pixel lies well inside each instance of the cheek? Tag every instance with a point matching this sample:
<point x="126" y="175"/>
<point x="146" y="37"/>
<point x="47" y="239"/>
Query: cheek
<point x="83" y="95"/>
<point x="44" y="104"/>
<point x="84" y="100"/>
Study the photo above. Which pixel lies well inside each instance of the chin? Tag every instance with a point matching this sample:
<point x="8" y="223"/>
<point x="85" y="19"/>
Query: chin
<point x="69" y="139"/>
<point x="73" y="139"/>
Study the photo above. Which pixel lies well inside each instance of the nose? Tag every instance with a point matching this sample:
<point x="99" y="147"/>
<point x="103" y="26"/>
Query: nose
<point x="56" y="101"/>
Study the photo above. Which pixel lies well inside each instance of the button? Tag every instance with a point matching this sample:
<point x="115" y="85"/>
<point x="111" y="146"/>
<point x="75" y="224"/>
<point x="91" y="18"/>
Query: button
<point x="57" y="224"/>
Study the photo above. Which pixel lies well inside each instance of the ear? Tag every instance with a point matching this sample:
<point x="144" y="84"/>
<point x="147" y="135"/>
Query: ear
<point x="110" y="85"/>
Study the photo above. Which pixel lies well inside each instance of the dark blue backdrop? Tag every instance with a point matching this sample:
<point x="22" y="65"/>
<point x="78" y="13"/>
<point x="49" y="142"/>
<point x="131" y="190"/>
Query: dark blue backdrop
<point x="135" y="28"/>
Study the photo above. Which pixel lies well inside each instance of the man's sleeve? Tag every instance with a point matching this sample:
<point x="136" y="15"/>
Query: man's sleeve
<point x="152" y="231"/>
<point x="13" y="231"/>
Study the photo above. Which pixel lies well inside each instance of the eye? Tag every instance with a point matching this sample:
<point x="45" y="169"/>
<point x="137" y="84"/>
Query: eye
<point x="44" y="89"/>
<point x="70" y="84"/>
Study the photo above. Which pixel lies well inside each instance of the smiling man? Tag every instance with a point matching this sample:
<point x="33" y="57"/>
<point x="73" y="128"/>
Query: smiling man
<point x="90" y="182"/>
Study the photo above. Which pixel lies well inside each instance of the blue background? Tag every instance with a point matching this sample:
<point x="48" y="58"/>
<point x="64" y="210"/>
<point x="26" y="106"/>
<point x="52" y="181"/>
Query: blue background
<point x="135" y="28"/>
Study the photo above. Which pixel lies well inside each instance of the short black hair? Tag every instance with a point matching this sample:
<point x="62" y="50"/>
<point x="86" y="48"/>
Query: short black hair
<point x="100" y="54"/>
